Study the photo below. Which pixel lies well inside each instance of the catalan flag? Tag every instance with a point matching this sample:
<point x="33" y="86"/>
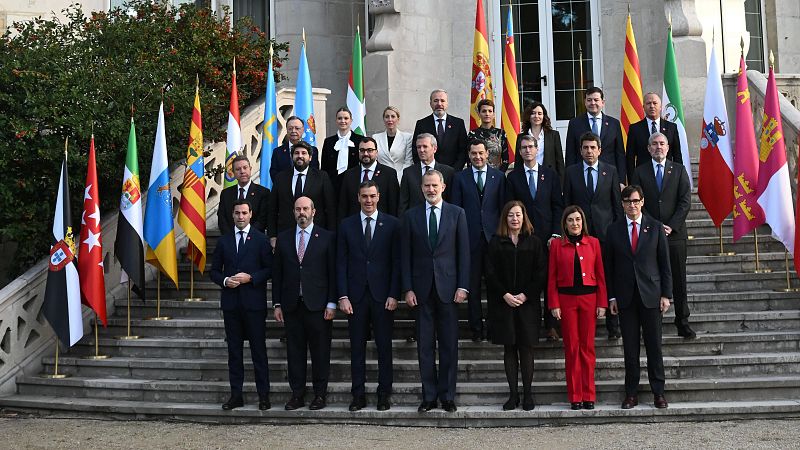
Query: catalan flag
<point x="233" y="142"/>
<point x="510" y="115"/>
<point x="269" y="134"/>
<point x="632" y="109"/>
<point x="192" y="212"/>
<point x="481" y="84"/>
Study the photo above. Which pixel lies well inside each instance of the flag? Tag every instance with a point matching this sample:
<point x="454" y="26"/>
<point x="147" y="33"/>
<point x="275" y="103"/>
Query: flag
<point x="355" y="89"/>
<point x="632" y="109"/>
<point x="269" y="134"/>
<point x="62" y="296"/>
<point x="509" y="119"/>
<point x="715" y="173"/>
<point x="129" y="244"/>
<point x="158" y="232"/>
<point x="672" y="106"/>
<point x="304" y="98"/>
<point x="192" y="212"/>
<point x="747" y="213"/>
<point x="481" y="84"/>
<point x="796" y="228"/>
<point x="774" y="192"/>
<point x="90" y="250"/>
<point x="233" y="143"/>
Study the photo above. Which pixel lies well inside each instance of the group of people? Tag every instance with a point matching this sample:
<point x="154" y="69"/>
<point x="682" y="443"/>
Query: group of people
<point x="367" y="224"/>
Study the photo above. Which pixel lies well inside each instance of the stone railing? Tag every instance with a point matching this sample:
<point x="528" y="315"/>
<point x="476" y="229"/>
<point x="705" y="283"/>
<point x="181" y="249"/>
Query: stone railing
<point x="25" y="336"/>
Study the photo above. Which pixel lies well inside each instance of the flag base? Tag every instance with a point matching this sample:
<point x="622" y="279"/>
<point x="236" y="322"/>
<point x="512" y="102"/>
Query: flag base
<point x="722" y="254"/>
<point x="194" y="299"/>
<point x="127" y="338"/>
<point x="762" y="271"/>
<point x="688" y="238"/>
<point x="96" y="357"/>
<point x="159" y="318"/>
<point x="54" y="376"/>
<point x="787" y="290"/>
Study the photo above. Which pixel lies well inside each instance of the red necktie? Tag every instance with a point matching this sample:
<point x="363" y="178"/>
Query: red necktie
<point x="634" y="237"/>
<point x="366" y="176"/>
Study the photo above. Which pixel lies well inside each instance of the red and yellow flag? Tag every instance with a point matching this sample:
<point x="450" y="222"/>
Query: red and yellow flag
<point x="192" y="213"/>
<point x="481" y="85"/>
<point x="632" y="109"/>
<point x="510" y="117"/>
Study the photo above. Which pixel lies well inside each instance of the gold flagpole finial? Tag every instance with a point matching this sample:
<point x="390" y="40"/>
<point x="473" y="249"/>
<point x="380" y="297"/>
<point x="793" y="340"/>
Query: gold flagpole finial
<point x="66" y="144"/>
<point x="629" y="9"/>
<point x="131" y="110"/>
<point x="304" y="35"/>
<point x="93" y="128"/>
<point x="741" y="44"/>
<point x="270" y="52"/>
<point x="196" y="83"/>
<point x="771" y="60"/>
<point x="669" y="19"/>
<point x="234" y="65"/>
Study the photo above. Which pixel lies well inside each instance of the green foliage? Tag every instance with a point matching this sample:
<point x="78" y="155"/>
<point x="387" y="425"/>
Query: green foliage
<point x="62" y="79"/>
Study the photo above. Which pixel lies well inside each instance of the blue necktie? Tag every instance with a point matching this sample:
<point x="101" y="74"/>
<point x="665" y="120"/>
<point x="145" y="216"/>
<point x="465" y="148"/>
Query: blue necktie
<point x="659" y="177"/>
<point x="532" y="183"/>
<point x="594" y="126"/>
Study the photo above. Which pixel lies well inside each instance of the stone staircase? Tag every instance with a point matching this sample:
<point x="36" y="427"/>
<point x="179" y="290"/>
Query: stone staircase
<point x="744" y="363"/>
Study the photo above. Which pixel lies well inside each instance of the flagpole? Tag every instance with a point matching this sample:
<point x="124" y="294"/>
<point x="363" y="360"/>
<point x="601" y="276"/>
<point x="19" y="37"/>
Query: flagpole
<point x="97" y="354"/>
<point x="55" y="375"/>
<point x="191" y="297"/>
<point x="158" y="315"/>
<point x="722" y="251"/>
<point x="758" y="268"/>
<point x="128" y="336"/>
<point x="788" y="287"/>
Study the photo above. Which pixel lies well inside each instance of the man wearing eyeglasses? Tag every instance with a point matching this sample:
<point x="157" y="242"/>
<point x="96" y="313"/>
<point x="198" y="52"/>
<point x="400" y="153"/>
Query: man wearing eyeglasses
<point x="639" y="285"/>
<point x="368" y="169"/>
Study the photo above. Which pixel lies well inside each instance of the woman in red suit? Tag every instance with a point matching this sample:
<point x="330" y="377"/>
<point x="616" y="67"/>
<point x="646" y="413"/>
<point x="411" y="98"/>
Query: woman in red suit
<point x="576" y="290"/>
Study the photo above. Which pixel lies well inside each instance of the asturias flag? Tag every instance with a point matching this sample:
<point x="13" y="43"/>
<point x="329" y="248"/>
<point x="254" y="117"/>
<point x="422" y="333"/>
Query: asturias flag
<point x="90" y="250"/>
<point x="304" y="97"/>
<point x="269" y="133"/>
<point x="481" y="82"/>
<point x="129" y="244"/>
<point x="509" y="117"/>
<point x="233" y="143"/>
<point x="192" y="212"/>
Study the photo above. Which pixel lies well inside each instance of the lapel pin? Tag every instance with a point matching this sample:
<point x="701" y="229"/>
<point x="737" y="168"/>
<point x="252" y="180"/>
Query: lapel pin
<point x="604" y="174"/>
<point x="449" y="126"/>
<point x="605" y="123"/>
<point x="316" y="235"/>
<point x="380" y="224"/>
<point x="248" y="238"/>
<point x="541" y="177"/>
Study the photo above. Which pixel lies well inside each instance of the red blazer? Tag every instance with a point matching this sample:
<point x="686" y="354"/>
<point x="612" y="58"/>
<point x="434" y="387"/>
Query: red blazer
<point x="562" y="269"/>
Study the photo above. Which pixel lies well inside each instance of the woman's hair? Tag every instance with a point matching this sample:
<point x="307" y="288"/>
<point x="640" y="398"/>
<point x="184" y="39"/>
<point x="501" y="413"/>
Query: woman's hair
<point x="391" y="108"/>
<point x="526" y="117"/>
<point x="570" y="210"/>
<point x="344" y="109"/>
<point x="502" y="227"/>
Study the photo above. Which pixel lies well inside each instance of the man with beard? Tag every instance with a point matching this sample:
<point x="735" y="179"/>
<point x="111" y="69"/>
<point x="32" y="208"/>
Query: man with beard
<point x="282" y="155"/>
<point x="369" y="169"/>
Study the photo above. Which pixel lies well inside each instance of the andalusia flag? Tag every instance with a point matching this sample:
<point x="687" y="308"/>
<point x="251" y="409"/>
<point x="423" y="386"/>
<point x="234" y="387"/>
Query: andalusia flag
<point x="672" y="107"/>
<point x="355" y="89"/>
<point x="481" y="84"/>
<point x="192" y="212"/>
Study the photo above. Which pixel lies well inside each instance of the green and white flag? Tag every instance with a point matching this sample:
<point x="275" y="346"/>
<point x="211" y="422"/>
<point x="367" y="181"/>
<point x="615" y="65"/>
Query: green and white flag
<point x="129" y="245"/>
<point x="355" y="89"/>
<point x="671" y="105"/>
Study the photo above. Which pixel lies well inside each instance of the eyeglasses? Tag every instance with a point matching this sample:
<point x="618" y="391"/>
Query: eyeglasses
<point x="632" y="201"/>
<point x="367" y="150"/>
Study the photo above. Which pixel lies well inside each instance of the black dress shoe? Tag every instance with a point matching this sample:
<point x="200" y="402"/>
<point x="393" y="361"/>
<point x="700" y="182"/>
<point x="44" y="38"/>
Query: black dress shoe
<point x="384" y="402"/>
<point x="411" y="339"/>
<point x="659" y="401"/>
<point x="614" y="335"/>
<point x="318" y="403"/>
<point x="449" y="406"/>
<point x="527" y="402"/>
<point x="476" y="336"/>
<point x="552" y="335"/>
<point x="236" y="401"/>
<point x="426" y="406"/>
<point x="575" y="406"/>
<point x="263" y="403"/>
<point x="511" y="403"/>
<point x="588" y="405"/>
<point x="359" y="402"/>
<point x="686" y="332"/>
<point x="630" y="401"/>
<point x="294" y="403"/>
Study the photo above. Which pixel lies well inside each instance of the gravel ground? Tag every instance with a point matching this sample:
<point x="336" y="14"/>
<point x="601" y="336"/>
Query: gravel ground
<point x="18" y="432"/>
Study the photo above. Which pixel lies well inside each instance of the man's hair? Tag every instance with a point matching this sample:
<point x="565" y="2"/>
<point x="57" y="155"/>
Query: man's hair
<point x="528" y="137"/>
<point x="593" y="90"/>
<point x="436" y="91"/>
<point x="433" y="172"/>
<point x="368" y="139"/>
<point x="302" y="144"/>
<point x="427" y="136"/>
<point x="589" y="136"/>
<point x="630" y="189"/>
<point x="240" y="158"/>
<point x="368" y="184"/>
<point x="243" y="201"/>
<point x="477" y="141"/>
<point x="656" y="135"/>
<point x="296" y="118"/>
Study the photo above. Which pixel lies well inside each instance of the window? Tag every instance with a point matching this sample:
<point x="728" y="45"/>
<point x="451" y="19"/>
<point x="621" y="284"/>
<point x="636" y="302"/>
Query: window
<point x="753" y="23"/>
<point x="257" y="10"/>
<point x="572" y="46"/>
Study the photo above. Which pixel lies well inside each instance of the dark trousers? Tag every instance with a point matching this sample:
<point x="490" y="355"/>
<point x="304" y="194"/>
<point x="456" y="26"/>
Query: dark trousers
<point x="437" y="322"/>
<point x="308" y="331"/>
<point x="241" y="324"/>
<point x="612" y="321"/>
<point x="549" y="321"/>
<point x="677" y="262"/>
<point x="477" y="268"/>
<point x="637" y="321"/>
<point x="370" y="313"/>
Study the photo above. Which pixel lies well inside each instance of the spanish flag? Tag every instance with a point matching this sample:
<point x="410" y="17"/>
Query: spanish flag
<point x="632" y="100"/>
<point x="481" y="84"/>
<point x="192" y="213"/>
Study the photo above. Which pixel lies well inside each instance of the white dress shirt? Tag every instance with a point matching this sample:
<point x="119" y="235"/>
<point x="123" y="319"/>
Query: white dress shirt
<point x="599" y="122"/>
<point x="308" y="231"/>
<point x="302" y="181"/>
<point x="595" y="174"/>
<point x="238" y="237"/>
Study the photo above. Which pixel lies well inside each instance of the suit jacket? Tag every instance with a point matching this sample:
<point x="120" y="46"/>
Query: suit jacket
<point x="411" y="186"/>
<point x="671" y="205"/>
<point x="601" y="209"/>
<point x="386" y="179"/>
<point x="636" y="152"/>
<point x="452" y="150"/>
<point x="613" y="149"/>
<point x="257" y="195"/>
<point x="255" y="259"/>
<point x="282" y="160"/>
<point x="545" y="211"/>
<point x="649" y="265"/>
<point x="316" y="186"/>
<point x="482" y="209"/>
<point x="448" y="262"/>
<point x="553" y="153"/>
<point x="317" y="271"/>
<point x="330" y="156"/>
<point x="399" y="155"/>
<point x="375" y="267"/>
<point x="561" y="269"/>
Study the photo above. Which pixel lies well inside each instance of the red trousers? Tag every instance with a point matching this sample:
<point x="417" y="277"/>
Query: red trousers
<point x="578" y="319"/>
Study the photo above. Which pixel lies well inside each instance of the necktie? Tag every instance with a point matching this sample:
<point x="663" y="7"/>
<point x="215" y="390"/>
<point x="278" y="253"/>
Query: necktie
<point x="241" y="193"/>
<point x="634" y="237"/>
<point x="368" y="231"/>
<point x="433" y="228"/>
<point x="532" y="183"/>
<point x="653" y="127"/>
<point x="594" y="126"/>
<point x="439" y="130"/>
<point x="427" y="169"/>
<point x="298" y="186"/>
<point x="301" y="246"/>
<point x="659" y="177"/>
<point x="366" y="176"/>
<point x="240" y="245"/>
<point x="590" y="181"/>
<point x="480" y="181"/>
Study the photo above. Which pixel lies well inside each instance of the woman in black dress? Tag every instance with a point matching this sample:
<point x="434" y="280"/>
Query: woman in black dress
<point x="515" y="275"/>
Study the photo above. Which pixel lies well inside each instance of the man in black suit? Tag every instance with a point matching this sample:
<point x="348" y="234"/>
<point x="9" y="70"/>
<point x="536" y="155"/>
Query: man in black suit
<point x="368" y="271"/>
<point x="601" y="124"/>
<point x="300" y="181"/>
<point x="241" y="266"/>
<point x="639" y="283"/>
<point x="434" y="274"/>
<point x="594" y="186"/>
<point x="245" y="189"/>
<point x="538" y="187"/>
<point x="666" y="186"/>
<point x="410" y="192"/>
<point x="369" y="169"/>
<point x="637" y="151"/>
<point x="282" y="158"/>
<point x="304" y="298"/>
<point x="450" y="132"/>
<point x="481" y="191"/>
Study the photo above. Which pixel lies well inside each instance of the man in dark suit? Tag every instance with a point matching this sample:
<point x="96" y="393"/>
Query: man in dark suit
<point x="410" y="193"/>
<point x="601" y="124"/>
<point x="637" y="151"/>
<point x="282" y="158"/>
<point x="368" y="272"/>
<point x="241" y="266"/>
<point x="450" y="132"/>
<point x="304" y="298"/>
<point x="666" y="186"/>
<point x="481" y="191"/>
<point x="369" y="169"/>
<point x="639" y="283"/>
<point x="300" y="181"/>
<point x="594" y="186"/>
<point x="245" y="189"/>
<point x="435" y="263"/>
<point x="538" y="187"/>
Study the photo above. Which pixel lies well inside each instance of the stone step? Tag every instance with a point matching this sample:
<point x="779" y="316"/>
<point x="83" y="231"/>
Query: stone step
<point x="736" y="282"/>
<point x="712" y="302"/>
<point x="739" y="263"/>
<point x="705" y="245"/>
